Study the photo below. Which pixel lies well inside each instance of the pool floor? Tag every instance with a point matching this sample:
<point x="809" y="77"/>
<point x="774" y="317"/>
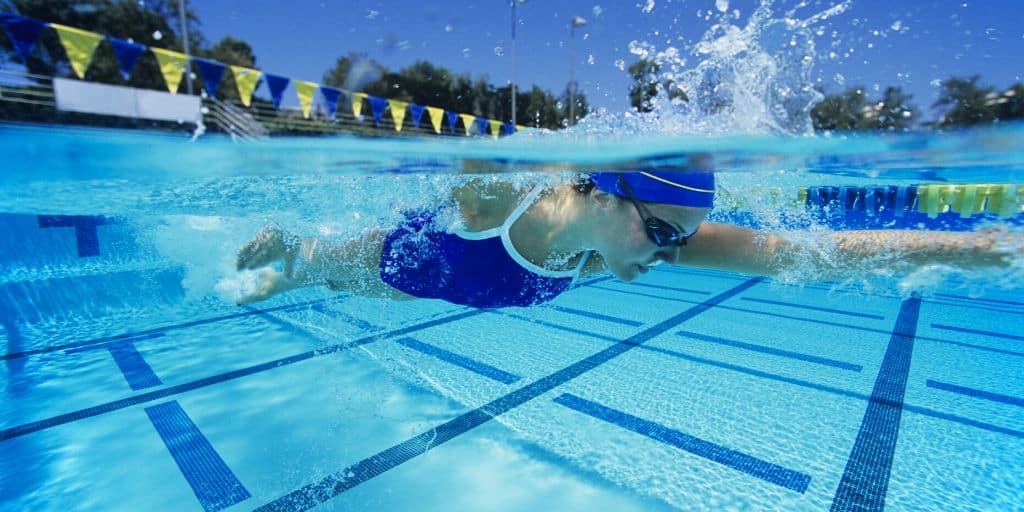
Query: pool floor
<point x="686" y="390"/>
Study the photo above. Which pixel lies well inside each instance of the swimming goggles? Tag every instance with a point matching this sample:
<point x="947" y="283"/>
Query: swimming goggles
<point x="659" y="231"/>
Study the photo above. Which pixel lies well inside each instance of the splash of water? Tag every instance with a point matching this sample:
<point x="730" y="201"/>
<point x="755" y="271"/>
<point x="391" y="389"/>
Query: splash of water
<point x="754" y="79"/>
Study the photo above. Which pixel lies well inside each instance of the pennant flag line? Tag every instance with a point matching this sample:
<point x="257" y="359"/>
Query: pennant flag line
<point x="417" y="114"/>
<point x="79" y="45"/>
<point x="212" y="71"/>
<point x="127" y="54"/>
<point x="480" y="125"/>
<point x="357" y="104"/>
<point x="246" y="81"/>
<point x="331" y="98"/>
<point x="23" y="33"/>
<point x="453" y="121"/>
<point x="508" y="128"/>
<point x="436" y="116"/>
<point x="377" y="106"/>
<point x="277" y="85"/>
<point x="305" y="91"/>
<point x="467" y="122"/>
<point x="397" y="113"/>
<point x="495" y="128"/>
<point x="172" y="66"/>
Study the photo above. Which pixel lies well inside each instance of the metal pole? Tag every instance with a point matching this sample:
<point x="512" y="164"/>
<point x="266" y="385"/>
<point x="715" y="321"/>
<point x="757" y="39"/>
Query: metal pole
<point x="513" y="3"/>
<point x="576" y="21"/>
<point x="184" y="37"/>
<point x="572" y="62"/>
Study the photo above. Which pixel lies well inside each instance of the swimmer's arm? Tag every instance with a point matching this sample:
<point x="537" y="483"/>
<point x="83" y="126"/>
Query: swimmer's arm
<point x="737" y="249"/>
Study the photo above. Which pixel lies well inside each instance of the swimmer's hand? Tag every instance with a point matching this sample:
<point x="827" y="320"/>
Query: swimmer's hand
<point x="271" y="244"/>
<point x="269" y="283"/>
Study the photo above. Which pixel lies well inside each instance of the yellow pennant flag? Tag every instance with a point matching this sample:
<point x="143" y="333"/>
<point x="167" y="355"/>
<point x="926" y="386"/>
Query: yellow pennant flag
<point x="436" y="116"/>
<point x="398" y="112"/>
<point x="519" y="127"/>
<point x="495" y="128"/>
<point x="79" y="45"/>
<point x="306" y="91"/>
<point x="357" y="103"/>
<point x="172" y="66"/>
<point x="467" y="122"/>
<point x="246" y="80"/>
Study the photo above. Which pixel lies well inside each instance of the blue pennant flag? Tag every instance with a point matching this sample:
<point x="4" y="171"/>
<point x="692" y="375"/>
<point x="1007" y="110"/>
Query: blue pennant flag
<point x="276" y="84"/>
<point x="453" y="120"/>
<point x="508" y="128"/>
<point x="212" y="72"/>
<point x="127" y="54"/>
<point x="377" y="106"/>
<point x="482" y="125"/>
<point x="23" y="32"/>
<point x="417" y="113"/>
<point x="331" y="97"/>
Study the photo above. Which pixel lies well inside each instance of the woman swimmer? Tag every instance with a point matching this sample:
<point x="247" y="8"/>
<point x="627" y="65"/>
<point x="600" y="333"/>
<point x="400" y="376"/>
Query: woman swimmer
<point x="521" y="248"/>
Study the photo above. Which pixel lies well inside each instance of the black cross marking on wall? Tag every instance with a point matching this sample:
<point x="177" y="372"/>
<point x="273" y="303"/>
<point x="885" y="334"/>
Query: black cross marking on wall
<point x="85" y="230"/>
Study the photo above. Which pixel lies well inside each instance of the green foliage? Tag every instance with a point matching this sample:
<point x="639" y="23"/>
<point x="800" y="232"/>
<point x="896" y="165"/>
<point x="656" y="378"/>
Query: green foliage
<point x="424" y="83"/>
<point x="645" y="84"/>
<point x="852" y="110"/>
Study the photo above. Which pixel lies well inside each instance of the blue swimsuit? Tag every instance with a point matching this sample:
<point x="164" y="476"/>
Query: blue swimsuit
<point x="480" y="269"/>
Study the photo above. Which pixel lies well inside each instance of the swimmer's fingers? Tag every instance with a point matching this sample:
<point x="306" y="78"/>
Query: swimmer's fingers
<point x="265" y="248"/>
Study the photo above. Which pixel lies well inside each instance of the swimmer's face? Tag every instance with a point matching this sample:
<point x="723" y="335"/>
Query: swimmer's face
<point x="624" y="243"/>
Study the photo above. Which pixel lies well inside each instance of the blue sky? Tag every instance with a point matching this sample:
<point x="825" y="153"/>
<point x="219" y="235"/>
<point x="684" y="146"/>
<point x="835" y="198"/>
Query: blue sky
<point x="910" y="43"/>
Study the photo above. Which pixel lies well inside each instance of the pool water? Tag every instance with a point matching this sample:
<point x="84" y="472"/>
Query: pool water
<point x="131" y="381"/>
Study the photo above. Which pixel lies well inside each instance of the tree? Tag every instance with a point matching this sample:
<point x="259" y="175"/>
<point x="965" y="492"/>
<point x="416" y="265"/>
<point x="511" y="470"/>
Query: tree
<point x="645" y="84"/>
<point x="842" y="112"/>
<point x="894" y="112"/>
<point x="1010" y="104"/>
<point x="965" y="102"/>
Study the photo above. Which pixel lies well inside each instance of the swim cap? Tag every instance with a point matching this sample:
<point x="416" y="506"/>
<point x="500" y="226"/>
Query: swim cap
<point x="680" y="188"/>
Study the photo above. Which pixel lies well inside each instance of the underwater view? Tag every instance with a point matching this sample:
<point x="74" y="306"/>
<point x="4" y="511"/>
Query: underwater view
<point x="751" y="255"/>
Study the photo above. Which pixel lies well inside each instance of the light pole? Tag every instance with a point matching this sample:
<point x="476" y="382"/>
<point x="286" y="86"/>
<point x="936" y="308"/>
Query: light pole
<point x="577" y="21"/>
<point x="515" y="21"/>
<point x="184" y="45"/>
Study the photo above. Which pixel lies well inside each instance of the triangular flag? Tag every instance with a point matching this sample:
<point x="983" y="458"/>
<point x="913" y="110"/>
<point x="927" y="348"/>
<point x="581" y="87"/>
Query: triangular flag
<point x="212" y="72"/>
<point x="331" y="98"/>
<point x="377" y="106"/>
<point x="246" y="81"/>
<point x="305" y="91"/>
<point x="127" y="54"/>
<point x="357" y="103"/>
<point x="23" y="33"/>
<point x="277" y="84"/>
<point x="495" y="128"/>
<point x="436" y="116"/>
<point x="417" y="114"/>
<point x="508" y="128"/>
<point x="453" y="120"/>
<point x="480" y="126"/>
<point x="519" y="127"/>
<point x="172" y="66"/>
<point x="79" y="46"/>
<point x="467" y="122"/>
<point x="397" y="113"/>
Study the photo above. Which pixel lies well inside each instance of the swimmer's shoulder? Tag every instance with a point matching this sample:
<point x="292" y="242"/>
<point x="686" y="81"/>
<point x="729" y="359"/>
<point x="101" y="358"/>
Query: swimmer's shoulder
<point x="486" y="204"/>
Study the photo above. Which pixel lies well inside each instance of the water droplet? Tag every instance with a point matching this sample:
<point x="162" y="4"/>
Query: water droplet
<point x="372" y="14"/>
<point x="597" y="10"/>
<point x="839" y="78"/>
<point x="157" y="35"/>
<point x="722" y="5"/>
<point x="465" y="52"/>
<point x="590" y="59"/>
<point x="896" y="25"/>
<point x="648" y="7"/>
<point x="448" y="27"/>
<point x="621" y="64"/>
<point x="499" y="51"/>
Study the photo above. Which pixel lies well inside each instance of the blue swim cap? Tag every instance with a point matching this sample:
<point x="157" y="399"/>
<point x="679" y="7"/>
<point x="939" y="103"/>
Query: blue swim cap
<point x="679" y="188"/>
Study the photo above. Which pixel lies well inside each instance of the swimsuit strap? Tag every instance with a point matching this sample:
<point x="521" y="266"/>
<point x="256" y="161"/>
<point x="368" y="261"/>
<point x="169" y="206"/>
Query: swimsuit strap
<point x="524" y="204"/>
